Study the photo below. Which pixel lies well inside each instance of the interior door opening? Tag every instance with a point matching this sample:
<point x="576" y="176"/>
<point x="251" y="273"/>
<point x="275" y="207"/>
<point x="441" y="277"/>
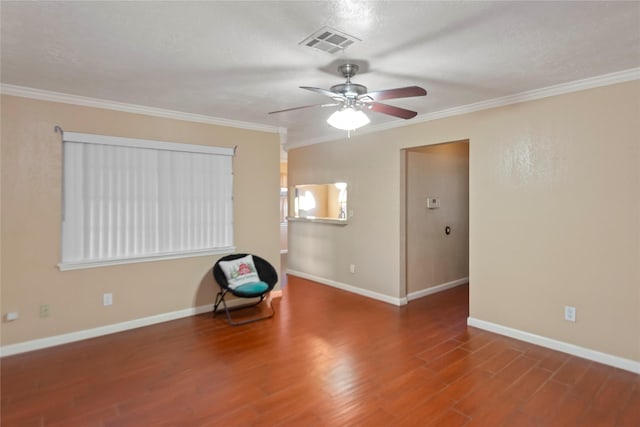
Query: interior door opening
<point x="436" y="218"/>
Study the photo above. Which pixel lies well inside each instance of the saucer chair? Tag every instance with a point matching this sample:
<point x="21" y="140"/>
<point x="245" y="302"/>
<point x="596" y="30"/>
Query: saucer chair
<point x="244" y="276"/>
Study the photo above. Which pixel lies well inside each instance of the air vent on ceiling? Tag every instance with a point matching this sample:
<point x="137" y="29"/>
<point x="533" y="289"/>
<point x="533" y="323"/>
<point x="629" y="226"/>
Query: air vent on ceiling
<point x="329" y="40"/>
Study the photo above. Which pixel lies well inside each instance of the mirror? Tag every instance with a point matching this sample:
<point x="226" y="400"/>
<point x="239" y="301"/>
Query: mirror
<point x="319" y="201"/>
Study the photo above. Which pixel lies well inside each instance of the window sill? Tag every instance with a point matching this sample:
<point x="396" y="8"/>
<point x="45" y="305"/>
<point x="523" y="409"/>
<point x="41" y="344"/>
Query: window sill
<point x="66" y="266"/>
<point x="319" y="220"/>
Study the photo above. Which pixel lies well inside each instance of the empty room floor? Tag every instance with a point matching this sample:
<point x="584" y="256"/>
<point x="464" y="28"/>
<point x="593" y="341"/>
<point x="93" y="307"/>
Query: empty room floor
<point x="327" y="358"/>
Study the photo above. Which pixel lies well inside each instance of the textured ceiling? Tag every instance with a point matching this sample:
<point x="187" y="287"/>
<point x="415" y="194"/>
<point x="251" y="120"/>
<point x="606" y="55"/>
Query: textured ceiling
<point x="239" y="60"/>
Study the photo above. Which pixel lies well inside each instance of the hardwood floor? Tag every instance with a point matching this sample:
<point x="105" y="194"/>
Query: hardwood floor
<point x="328" y="358"/>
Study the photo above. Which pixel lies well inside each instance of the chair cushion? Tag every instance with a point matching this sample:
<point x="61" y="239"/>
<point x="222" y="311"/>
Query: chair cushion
<point x="251" y="289"/>
<point x="239" y="271"/>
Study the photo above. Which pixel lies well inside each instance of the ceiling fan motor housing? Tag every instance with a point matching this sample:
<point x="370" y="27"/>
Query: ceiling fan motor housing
<point x="350" y="90"/>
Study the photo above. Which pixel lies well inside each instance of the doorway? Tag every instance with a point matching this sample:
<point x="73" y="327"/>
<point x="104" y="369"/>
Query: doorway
<point x="436" y="218"/>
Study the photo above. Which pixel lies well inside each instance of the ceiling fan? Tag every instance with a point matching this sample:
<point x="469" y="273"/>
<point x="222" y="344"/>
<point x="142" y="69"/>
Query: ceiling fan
<point x="353" y="98"/>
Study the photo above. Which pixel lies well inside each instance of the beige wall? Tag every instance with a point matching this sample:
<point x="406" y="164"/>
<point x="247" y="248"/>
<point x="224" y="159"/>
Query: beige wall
<point x="434" y="258"/>
<point x="370" y="240"/>
<point x="554" y="213"/>
<point x="31" y="177"/>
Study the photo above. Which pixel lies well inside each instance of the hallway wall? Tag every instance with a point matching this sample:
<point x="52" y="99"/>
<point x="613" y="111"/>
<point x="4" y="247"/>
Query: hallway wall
<point x="433" y="257"/>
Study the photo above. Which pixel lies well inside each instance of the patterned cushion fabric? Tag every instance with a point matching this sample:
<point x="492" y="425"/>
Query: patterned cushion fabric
<point x="240" y="271"/>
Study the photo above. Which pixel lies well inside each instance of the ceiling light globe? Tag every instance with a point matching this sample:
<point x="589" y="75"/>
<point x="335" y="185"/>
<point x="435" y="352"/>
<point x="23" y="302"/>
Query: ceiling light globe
<point x="348" y="119"/>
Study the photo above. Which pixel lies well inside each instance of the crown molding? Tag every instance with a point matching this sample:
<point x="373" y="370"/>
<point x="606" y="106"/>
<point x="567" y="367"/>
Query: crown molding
<point x="45" y="95"/>
<point x="531" y="95"/>
<point x="560" y="89"/>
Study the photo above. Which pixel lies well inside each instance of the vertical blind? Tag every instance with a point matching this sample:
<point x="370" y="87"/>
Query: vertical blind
<point x="129" y="199"/>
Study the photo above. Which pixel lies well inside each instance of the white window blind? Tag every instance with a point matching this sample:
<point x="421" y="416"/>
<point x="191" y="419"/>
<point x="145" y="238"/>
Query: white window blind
<point x="127" y="200"/>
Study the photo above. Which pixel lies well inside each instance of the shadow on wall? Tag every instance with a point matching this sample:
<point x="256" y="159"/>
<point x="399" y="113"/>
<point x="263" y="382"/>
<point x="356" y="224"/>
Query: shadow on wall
<point x="205" y="294"/>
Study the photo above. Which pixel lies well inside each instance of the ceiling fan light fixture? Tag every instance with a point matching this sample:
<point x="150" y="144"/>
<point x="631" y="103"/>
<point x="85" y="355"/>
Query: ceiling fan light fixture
<point x="348" y="119"/>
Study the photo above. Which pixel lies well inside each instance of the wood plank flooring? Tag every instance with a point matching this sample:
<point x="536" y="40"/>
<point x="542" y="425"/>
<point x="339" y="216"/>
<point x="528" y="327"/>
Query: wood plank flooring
<point x="328" y="358"/>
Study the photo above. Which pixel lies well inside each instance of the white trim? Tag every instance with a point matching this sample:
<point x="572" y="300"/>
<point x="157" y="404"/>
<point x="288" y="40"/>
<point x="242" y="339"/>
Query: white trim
<point x="354" y="290"/>
<point x="41" y="343"/>
<point x="65" y="266"/>
<point x="585" y="353"/>
<point x="284" y="251"/>
<point x="438" y="288"/>
<point x="89" y="138"/>
<point x="53" y="341"/>
<point x="320" y="220"/>
<point x="45" y="95"/>
<point x="560" y="89"/>
<point x="531" y="95"/>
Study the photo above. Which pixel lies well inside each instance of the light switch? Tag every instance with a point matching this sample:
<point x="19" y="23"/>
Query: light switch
<point x="433" y="202"/>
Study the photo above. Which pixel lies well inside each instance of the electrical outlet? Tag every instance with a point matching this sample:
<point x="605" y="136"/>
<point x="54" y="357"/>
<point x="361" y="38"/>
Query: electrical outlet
<point x="569" y="313"/>
<point x="44" y="310"/>
<point x="352" y="268"/>
<point x="107" y="299"/>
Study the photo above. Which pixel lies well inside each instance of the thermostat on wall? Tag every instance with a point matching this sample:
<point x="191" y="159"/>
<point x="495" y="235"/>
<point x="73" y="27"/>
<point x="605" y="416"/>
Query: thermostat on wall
<point x="433" y="203"/>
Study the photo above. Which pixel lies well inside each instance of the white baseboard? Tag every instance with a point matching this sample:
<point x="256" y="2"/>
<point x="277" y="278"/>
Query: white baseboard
<point x="41" y="343"/>
<point x="435" y="289"/>
<point x="585" y="353"/>
<point x="354" y="290"/>
<point x="276" y="294"/>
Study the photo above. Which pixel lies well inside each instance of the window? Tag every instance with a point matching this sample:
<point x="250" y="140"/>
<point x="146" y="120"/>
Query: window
<point x="129" y="200"/>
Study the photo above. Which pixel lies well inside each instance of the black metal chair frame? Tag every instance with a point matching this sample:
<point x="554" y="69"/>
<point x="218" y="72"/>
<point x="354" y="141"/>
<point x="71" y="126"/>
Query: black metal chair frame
<point x="266" y="272"/>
